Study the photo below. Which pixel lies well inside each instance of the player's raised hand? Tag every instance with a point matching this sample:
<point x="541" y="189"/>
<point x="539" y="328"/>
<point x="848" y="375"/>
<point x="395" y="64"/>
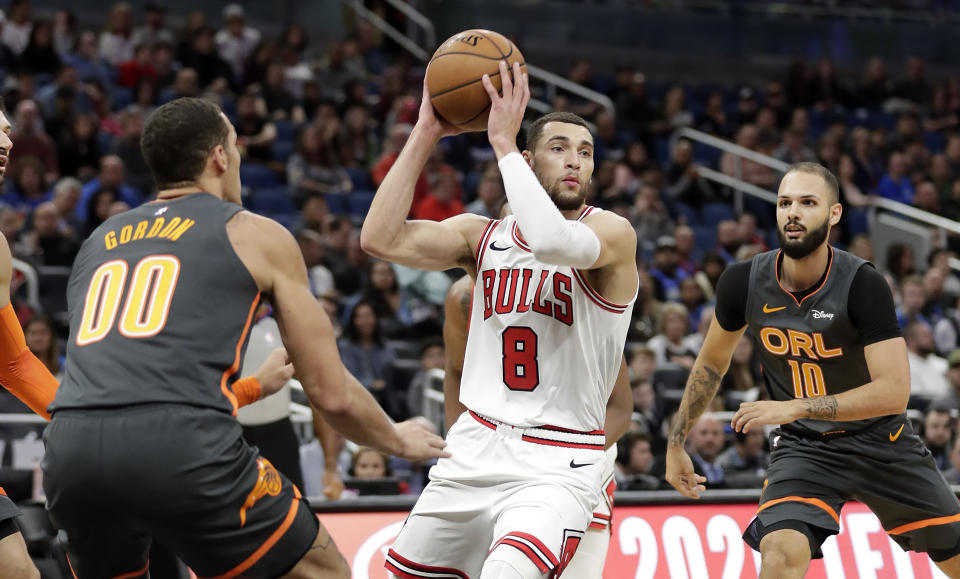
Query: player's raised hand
<point x="506" y="110"/>
<point x="419" y="443"/>
<point x="756" y="414"/>
<point x="680" y="473"/>
<point x="274" y="372"/>
<point x="431" y="122"/>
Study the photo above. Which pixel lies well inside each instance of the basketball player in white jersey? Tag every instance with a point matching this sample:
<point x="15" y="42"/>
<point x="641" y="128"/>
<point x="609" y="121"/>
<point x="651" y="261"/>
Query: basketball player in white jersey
<point x="591" y="555"/>
<point x="556" y="283"/>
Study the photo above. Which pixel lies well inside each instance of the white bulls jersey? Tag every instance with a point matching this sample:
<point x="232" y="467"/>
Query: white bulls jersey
<point x="543" y="348"/>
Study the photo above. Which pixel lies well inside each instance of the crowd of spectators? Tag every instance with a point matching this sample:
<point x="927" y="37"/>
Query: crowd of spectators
<point x="321" y="120"/>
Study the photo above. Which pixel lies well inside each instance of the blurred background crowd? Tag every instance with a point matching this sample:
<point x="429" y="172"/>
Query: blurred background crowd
<point x="321" y="118"/>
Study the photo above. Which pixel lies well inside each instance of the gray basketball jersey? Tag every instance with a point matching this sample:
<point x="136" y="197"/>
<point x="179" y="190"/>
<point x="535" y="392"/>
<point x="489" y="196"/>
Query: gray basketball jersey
<point x="160" y="306"/>
<point x="807" y="348"/>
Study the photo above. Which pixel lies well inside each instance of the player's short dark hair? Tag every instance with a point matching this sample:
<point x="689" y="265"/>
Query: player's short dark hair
<point x="536" y="129"/>
<point x="833" y="188"/>
<point x="178" y="138"/>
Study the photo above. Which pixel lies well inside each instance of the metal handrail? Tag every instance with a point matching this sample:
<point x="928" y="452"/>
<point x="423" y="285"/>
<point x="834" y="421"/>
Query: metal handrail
<point x="876" y="203"/>
<point x="729" y="147"/>
<point x="429" y="31"/>
<point x="385" y="27"/>
<point x="570" y="86"/>
<point x="33" y="282"/>
<point x="423" y="54"/>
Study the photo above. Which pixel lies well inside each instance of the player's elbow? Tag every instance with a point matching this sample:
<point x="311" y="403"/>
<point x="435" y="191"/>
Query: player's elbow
<point x="369" y="241"/>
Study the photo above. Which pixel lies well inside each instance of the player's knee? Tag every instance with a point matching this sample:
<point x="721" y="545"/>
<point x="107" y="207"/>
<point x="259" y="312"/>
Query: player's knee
<point x="783" y="550"/>
<point x="508" y="563"/>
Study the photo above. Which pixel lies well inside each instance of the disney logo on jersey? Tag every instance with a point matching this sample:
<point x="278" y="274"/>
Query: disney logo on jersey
<point x="520" y="290"/>
<point x="821" y="315"/>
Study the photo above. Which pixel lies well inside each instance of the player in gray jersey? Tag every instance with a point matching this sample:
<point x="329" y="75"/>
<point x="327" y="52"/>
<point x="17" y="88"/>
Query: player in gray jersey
<point x="837" y="376"/>
<point x="144" y="441"/>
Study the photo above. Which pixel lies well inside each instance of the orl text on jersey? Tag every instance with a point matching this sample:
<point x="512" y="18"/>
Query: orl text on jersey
<point x="520" y="290"/>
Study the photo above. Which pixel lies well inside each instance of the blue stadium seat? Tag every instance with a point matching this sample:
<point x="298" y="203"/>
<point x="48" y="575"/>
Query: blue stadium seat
<point x="336" y="203"/>
<point x="934" y="141"/>
<point x="705" y="237"/>
<point x="661" y="150"/>
<point x="273" y="200"/>
<point x="687" y="212"/>
<point x="286" y="131"/>
<point x="288" y="220"/>
<point x="282" y="150"/>
<point x="258" y="176"/>
<point x="121" y="97"/>
<point x="359" y="203"/>
<point x="713" y="213"/>
<point x="360" y="178"/>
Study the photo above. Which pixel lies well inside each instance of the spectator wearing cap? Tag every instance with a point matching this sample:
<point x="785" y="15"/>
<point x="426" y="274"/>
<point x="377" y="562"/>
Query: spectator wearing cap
<point x="116" y="42"/>
<point x="236" y="41"/>
<point x="154" y="29"/>
<point x="747" y="106"/>
<point x="666" y="270"/>
<point x="951" y="400"/>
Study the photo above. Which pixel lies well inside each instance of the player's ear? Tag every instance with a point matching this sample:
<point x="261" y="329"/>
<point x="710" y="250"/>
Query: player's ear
<point x="836" y="210"/>
<point x="219" y="158"/>
<point x="528" y="157"/>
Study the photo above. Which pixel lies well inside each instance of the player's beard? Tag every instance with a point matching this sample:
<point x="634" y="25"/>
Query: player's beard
<point x="564" y="199"/>
<point x="801" y="248"/>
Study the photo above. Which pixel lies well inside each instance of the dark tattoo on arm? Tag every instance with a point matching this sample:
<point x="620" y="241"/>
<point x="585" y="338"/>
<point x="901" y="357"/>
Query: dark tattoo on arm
<point x="702" y="386"/>
<point x="821" y="408"/>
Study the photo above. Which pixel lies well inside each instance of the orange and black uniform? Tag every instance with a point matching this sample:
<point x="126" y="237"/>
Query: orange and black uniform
<point x="143" y="440"/>
<point x="811" y="343"/>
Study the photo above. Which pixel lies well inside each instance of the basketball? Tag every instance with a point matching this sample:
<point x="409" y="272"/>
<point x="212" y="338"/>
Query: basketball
<point x="454" y="73"/>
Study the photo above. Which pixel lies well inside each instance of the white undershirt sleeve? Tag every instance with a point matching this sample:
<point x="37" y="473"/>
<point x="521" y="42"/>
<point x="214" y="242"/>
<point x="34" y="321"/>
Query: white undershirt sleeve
<point x="553" y="238"/>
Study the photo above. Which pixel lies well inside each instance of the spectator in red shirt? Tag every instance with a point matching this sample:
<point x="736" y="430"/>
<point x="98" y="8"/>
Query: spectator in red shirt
<point x="398" y="137"/>
<point x="441" y="202"/>
<point x="130" y="72"/>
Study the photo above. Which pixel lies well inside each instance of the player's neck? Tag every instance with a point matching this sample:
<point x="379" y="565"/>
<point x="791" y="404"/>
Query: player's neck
<point x="199" y="186"/>
<point x="799" y="274"/>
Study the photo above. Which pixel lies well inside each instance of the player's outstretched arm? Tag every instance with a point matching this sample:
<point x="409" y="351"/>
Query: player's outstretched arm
<point x="22" y="373"/>
<point x="619" y="407"/>
<point x="456" y="311"/>
<point x="887" y="392"/>
<point x="273" y="258"/>
<point x="590" y="244"/>
<point x="431" y="245"/>
<point x="702" y="384"/>
<point x="327" y="437"/>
